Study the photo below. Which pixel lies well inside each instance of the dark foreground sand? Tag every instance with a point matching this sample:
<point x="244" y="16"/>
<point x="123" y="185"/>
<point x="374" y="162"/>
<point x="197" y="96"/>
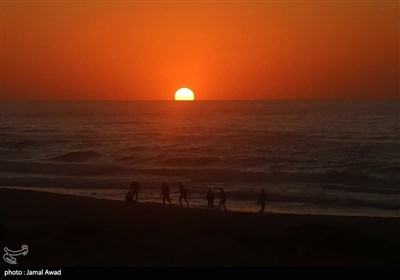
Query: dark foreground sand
<point x="63" y="230"/>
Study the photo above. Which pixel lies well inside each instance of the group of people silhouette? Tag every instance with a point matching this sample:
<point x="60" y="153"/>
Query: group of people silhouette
<point x="182" y="194"/>
<point x="210" y="199"/>
<point x="133" y="194"/>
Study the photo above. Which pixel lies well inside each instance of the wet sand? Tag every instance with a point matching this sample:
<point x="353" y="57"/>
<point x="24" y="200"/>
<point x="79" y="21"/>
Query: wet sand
<point x="63" y="230"/>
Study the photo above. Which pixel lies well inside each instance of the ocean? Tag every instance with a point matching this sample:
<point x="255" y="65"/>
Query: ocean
<point x="311" y="157"/>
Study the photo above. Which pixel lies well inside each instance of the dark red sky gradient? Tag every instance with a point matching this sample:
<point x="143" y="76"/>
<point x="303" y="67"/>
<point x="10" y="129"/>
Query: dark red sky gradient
<point x="221" y="50"/>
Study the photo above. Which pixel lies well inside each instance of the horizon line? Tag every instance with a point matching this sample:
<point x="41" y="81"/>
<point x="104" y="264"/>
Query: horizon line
<point x="201" y="100"/>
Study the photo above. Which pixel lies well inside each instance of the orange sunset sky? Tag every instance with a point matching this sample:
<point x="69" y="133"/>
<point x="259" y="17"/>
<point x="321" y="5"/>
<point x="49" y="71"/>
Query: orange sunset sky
<point x="219" y="49"/>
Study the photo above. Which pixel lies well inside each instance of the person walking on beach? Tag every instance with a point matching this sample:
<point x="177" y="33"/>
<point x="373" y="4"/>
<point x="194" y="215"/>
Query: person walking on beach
<point x="223" y="199"/>
<point x="165" y="193"/>
<point x="183" y="194"/>
<point x="135" y="188"/>
<point x="262" y="198"/>
<point x="210" y="199"/>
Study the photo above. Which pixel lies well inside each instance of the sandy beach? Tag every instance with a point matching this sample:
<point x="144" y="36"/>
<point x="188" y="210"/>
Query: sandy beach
<point x="63" y="230"/>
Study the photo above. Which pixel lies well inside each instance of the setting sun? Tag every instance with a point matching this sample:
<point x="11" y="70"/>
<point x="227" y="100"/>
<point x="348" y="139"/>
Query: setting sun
<point x="184" y="94"/>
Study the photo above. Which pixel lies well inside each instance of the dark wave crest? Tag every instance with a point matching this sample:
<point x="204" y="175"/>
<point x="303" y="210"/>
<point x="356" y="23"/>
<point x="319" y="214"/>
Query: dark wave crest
<point x="76" y="156"/>
<point x="188" y="161"/>
<point x="21" y="144"/>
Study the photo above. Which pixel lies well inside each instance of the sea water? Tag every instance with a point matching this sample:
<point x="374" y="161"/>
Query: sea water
<point x="316" y="157"/>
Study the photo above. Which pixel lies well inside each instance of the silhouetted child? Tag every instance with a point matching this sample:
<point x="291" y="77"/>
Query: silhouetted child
<point x="262" y="198"/>
<point x="183" y="194"/>
<point x="135" y="188"/>
<point x="165" y="193"/>
<point x="210" y="199"/>
<point x="129" y="196"/>
<point x="223" y="199"/>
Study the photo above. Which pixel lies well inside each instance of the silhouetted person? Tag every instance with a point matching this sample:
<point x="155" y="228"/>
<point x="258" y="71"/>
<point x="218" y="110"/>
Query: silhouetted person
<point x="165" y="193"/>
<point x="210" y="199"/>
<point x="129" y="196"/>
<point x="135" y="188"/>
<point x="223" y="199"/>
<point x="183" y="194"/>
<point x="262" y="198"/>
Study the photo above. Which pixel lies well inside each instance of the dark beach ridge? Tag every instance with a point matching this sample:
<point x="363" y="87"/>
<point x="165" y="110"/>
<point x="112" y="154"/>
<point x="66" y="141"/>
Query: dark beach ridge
<point x="63" y="230"/>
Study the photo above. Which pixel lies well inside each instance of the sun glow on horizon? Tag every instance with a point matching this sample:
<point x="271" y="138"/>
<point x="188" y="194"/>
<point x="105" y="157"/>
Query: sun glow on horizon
<point x="184" y="94"/>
